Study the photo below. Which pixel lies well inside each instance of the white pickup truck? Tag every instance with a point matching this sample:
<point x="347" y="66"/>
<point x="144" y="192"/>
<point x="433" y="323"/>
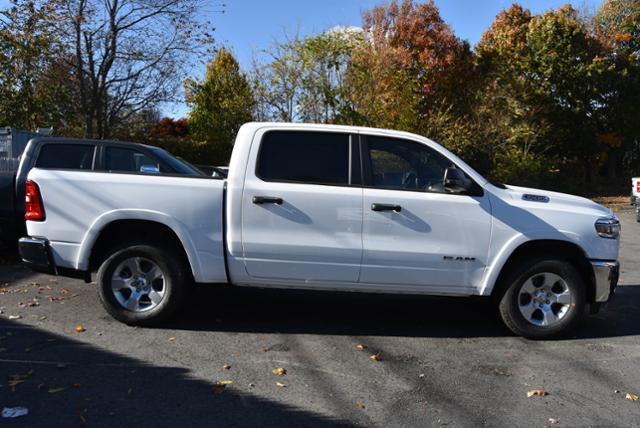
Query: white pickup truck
<point x="322" y="207"/>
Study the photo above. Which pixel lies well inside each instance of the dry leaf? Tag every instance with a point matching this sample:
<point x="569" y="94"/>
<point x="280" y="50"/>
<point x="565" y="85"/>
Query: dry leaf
<point x="632" y="397"/>
<point x="279" y="371"/>
<point x="553" y="421"/>
<point x="80" y="329"/>
<point x="281" y="385"/>
<point x="172" y="338"/>
<point x="224" y="382"/>
<point x="265" y="349"/>
<point x="360" y="405"/>
<point x="376" y="357"/>
<point x="361" y="347"/>
<point x="54" y="390"/>
<point x="226" y="367"/>
<point x="537" y="392"/>
<point x="218" y="389"/>
<point x="42" y="318"/>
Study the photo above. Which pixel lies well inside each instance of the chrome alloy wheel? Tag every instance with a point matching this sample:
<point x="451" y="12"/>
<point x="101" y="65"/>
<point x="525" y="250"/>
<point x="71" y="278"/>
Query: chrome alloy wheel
<point x="138" y="284"/>
<point x="545" y="299"/>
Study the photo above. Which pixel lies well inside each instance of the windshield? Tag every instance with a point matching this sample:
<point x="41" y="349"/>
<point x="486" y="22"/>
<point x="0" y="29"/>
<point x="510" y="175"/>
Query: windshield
<point x="178" y="166"/>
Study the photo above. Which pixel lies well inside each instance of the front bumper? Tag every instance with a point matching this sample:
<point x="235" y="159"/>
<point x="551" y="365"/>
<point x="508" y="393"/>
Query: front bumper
<point x="606" y="276"/>
<point x="36" y="254"/>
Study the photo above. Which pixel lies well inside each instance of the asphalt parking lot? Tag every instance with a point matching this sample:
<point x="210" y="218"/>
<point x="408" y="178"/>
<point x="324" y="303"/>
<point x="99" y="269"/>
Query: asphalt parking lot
<point x="442" y="362"/>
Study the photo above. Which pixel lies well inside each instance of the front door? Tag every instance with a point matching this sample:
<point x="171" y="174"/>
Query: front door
<point x="416" y="234"/>
<point x="301" y="209"/>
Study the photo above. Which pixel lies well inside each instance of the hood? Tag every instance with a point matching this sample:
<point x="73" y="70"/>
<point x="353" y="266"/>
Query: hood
<point x="526" y="196"/>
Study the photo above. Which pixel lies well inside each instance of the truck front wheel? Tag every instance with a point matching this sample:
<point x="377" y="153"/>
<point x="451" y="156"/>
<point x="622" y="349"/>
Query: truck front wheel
<point x="545" y="299"/>
<point x="142" y="284"/>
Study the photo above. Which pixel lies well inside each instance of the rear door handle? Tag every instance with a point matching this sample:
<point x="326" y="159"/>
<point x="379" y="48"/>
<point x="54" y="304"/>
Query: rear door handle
<point x="258" y="200"/>
<point x="386" y="207"/>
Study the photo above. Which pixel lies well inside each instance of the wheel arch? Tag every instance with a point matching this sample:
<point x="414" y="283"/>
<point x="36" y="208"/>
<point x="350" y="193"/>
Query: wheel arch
<point x="115" y="227"/>
<point x="560" y="249"/>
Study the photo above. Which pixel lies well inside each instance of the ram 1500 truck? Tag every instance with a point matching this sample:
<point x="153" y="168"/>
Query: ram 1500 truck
<point x="323" y="207"/>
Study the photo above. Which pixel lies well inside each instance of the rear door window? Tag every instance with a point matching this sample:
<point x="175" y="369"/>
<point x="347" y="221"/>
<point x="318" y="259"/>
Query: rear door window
<point x="121" y="159"/>
<point x="304" y="157"/>
<point x="66" y="156"/>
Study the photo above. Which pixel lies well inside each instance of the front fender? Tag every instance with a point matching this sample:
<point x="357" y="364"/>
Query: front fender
<point x="503" y="254"/>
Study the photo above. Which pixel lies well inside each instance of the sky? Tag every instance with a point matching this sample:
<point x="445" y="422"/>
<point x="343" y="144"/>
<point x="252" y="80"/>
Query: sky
<point x="249" y="26"/>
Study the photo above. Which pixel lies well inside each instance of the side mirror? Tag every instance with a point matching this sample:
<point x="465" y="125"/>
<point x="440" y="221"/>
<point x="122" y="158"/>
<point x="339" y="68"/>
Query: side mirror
<point x="455" y="181"/>
<point x="150" y="169"/>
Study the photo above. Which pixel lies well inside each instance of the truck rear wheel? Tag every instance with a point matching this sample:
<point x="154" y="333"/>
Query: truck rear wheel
<point x="143" y="284"/>
<point x="545" y="299"/>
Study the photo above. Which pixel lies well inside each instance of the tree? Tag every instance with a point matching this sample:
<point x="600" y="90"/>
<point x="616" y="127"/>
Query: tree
<point x="510" y="117"/>
<point x="413" y="72"/>
<point x="617" y="28"/>
<point x="35" y="84"/>
<point x="220" y="103"/>
<point x="128" y="55"/>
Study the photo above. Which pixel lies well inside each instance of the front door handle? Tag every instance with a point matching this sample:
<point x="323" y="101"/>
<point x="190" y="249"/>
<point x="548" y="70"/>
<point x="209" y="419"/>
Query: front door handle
<point x="386" y="207"/>
<point x="258" y="200"/>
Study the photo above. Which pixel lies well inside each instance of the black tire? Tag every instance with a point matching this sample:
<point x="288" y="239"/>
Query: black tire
<point x="176" y="283"/>
<point x="638" y="216"/>
<point x="511" y="299"/>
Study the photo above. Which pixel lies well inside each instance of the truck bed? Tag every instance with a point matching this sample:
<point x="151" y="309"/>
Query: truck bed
<point x="79" y="205"/>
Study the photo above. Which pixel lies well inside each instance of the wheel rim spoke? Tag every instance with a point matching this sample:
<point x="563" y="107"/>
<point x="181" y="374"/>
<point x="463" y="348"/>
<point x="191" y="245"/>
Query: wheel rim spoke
<point x="528" y="310"/>
<point x="133" y="302"/>
<point x="549" y="318"/>
<point x="563" y="298"/>
<point x="155" y="297"/>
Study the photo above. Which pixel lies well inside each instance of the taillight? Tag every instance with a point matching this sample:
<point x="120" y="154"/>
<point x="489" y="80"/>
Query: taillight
<point x="638" y="186"/>
<point x="33" y="208"/>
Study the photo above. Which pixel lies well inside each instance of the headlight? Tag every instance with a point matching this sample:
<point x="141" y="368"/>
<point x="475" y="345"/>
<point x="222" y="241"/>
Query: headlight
<point x="608" y="227"/>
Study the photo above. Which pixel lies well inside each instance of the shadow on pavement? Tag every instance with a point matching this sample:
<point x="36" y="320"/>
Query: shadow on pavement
<point x="304" y="312"/>
<point x="102" y="388"/>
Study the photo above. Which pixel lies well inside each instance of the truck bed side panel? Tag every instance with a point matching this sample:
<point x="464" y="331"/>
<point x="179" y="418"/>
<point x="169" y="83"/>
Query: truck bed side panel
<point x="78" y="205"/>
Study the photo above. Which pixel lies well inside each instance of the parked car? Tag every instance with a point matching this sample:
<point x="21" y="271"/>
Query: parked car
<point x="79" y="155"/>
<point x="214" y="171"/>
<point x="322" y="207"/>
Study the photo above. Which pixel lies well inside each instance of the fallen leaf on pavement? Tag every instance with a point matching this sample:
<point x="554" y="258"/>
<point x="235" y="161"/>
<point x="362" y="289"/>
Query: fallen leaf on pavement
<point x="553" y="421"/>
<point x="361" y="347"/>
<point x="224" y="382"/>
<point x="55" y="390"/>
<point x="218" y="389"/>
<point x="226" y="367"/>
<point x="281" y="385"/>
<point x="171" y="339"/>
<point x="42" y="318"/>
<point x="537" y="392"/>
<point x="632" y="397"/>
<point x="280" y="371"/>
<point x="360" y="405"/>
<point x="80" y="328"/>
<point x="376" y="357"/>
<point x="265" y="349"/>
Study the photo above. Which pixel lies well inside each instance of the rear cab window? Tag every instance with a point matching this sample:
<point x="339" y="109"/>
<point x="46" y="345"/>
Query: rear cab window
<point x="66" y="156"/>
<point x="305" y="157"/>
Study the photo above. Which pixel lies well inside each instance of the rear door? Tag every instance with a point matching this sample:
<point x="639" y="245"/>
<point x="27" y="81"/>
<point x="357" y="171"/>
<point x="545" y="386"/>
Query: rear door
<point x="302" y="207"/>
